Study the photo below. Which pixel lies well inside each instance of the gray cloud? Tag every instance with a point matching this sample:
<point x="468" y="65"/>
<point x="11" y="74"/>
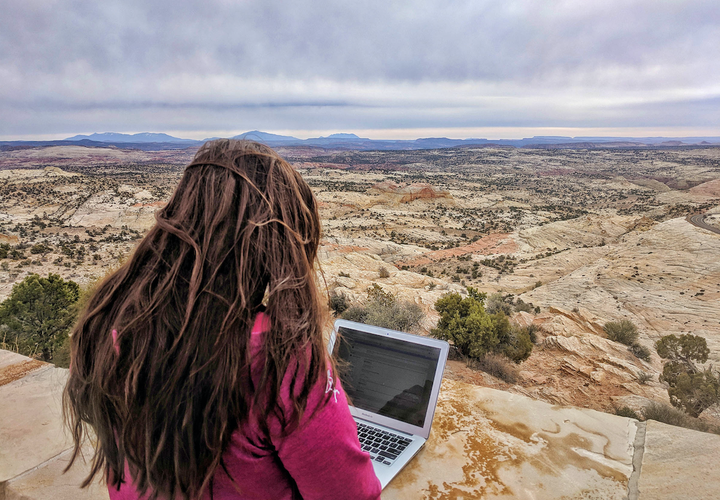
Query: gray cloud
<point x="70" y="66"/>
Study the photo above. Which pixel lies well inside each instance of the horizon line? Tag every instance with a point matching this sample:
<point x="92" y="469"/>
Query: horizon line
<point x="402" y="134"/>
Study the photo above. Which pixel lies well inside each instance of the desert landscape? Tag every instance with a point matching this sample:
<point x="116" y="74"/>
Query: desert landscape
<point x="571" y="238"/>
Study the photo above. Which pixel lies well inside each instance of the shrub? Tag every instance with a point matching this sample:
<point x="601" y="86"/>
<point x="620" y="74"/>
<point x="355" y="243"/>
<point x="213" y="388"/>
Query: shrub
<point x="694" y="392"/>
<point x="640" y="351"/>
<point x="384" y="310"/>
<point x="532" y="330"/>
<point x="668" y="415"/>
<point x="518" y="345"/>
<point x="39" y="313"/>
<point x="522" y="306"/>
<point x="474" y="332"/>
<point x="496" y="303"/>
<point x="685" y="348"/>
<point x="39" y="248"/>
<point x="643" y="377"/>
<point x="355" y="313"/>
<point x="61" y="357"/>
<point x="383" y="272"/>
<point x="690" y="389"/>
<point x="404" y="316"/>
<point x="625" y="411"/>
<point x="338" y="303"/>
<point x="623" y="331"/>
<point x="499" y="367"/>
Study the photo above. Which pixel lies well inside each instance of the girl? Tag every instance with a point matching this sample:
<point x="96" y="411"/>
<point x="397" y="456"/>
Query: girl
<point x="192" y="387"/>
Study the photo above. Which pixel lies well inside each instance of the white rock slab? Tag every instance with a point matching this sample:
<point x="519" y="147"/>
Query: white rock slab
<point x="492" y="444"/>
<point x="31" y="428"/>
<point x="679" y="464"/>
<point x="8" y="358"/>
<point x="49" y="483"/>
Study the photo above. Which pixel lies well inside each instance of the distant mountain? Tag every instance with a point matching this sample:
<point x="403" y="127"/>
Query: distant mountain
<point x="149" y="141"/>
<point x="344" y="137"/>
<point x="135" y="138"/>
<point x="257" y="135"/>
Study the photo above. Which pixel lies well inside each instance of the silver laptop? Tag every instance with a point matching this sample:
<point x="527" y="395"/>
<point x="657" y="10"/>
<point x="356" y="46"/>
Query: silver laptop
<point x="392" y="380"/>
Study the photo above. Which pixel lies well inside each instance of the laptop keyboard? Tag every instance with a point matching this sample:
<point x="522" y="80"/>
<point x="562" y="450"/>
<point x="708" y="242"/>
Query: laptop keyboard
<point x="383" y="446"/>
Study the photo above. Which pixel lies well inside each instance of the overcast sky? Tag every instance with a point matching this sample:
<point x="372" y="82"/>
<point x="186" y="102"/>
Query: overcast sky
<point x="383" y="69"/>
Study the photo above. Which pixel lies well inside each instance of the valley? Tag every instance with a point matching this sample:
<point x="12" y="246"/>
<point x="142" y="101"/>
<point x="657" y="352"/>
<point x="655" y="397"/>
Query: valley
<point x="581" y="236"/>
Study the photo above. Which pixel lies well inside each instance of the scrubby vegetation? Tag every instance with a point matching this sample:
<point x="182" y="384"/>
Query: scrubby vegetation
<point x="625" y="411"/>
<point x="498" y="366"/>
<point x="643" y="377"/>
<point x="640" y="351"/>
<point x="338" y="303"/>
<point x="37" y="316"/>
<point x="690" y="388"/>
<point x="385" y="310"/>
<point x="507" y="304"/>
<point x="475" y="333"/>
<point x="626" y="332"/>
<point x="623" y="331"/>
<point x="668" y="415"/>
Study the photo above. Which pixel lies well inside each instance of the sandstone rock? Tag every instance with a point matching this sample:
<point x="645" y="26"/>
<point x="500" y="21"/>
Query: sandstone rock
<point x="492" y="444"/>
<point x="653" y="278"/>
<point x="679" y="463"/>
<point x="397" y="193"/>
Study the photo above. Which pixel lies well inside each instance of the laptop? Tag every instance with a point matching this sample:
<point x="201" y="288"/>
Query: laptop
<point x="392" y="380"/>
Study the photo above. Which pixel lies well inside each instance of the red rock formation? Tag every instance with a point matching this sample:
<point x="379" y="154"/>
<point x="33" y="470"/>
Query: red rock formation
<point x="407" y="193"/>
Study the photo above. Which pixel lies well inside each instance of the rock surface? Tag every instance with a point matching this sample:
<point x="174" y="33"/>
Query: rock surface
<point x="679" y="463"/>
<point x="491" y="444"/>
<point x="484" y="444"/>
<point x="397" y="193"/>
<point x="31" y="429"/>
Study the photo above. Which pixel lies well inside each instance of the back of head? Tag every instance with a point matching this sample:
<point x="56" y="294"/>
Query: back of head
<point x="165" y="398"/>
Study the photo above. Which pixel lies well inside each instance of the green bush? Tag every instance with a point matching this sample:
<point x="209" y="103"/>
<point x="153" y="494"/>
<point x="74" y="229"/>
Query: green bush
<point x="521" y="306"/>
<point x="519" y="344"/>
<point x="623" y="331"/>
<point x="39" y="248"/>
<point x="690" y="389"/>
<point x="694" y="392"/>
<point x="685" y="348"/>
<point x="61" y="357"/>
<point x="474" y="332"/>
<point x="39" y="313"/>
<point x="532" y="330"/>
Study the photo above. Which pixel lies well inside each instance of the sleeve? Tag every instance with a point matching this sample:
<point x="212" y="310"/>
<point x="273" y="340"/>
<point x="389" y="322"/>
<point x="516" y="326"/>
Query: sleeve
<point x="323" y="454"/>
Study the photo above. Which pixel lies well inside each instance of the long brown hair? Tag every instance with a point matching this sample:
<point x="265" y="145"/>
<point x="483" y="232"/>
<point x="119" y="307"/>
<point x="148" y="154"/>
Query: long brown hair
<point x="165" y="398"/>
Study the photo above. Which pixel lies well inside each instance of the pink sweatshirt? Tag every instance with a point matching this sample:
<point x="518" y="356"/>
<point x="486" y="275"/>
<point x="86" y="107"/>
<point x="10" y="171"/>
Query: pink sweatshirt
<point x="322" y="459"/>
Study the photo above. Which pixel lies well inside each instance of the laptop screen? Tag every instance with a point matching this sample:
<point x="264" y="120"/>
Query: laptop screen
<point x="387" y="376"/>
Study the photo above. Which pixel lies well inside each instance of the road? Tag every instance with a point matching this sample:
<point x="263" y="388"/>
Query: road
<point x="698" y="220"/>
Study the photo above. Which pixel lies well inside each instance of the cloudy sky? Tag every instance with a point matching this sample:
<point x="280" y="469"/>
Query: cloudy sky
<point x="381" y="69"/>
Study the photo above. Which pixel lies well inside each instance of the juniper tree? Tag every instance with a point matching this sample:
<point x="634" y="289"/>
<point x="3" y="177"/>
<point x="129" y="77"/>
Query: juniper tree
<point x="39" y="313"/>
